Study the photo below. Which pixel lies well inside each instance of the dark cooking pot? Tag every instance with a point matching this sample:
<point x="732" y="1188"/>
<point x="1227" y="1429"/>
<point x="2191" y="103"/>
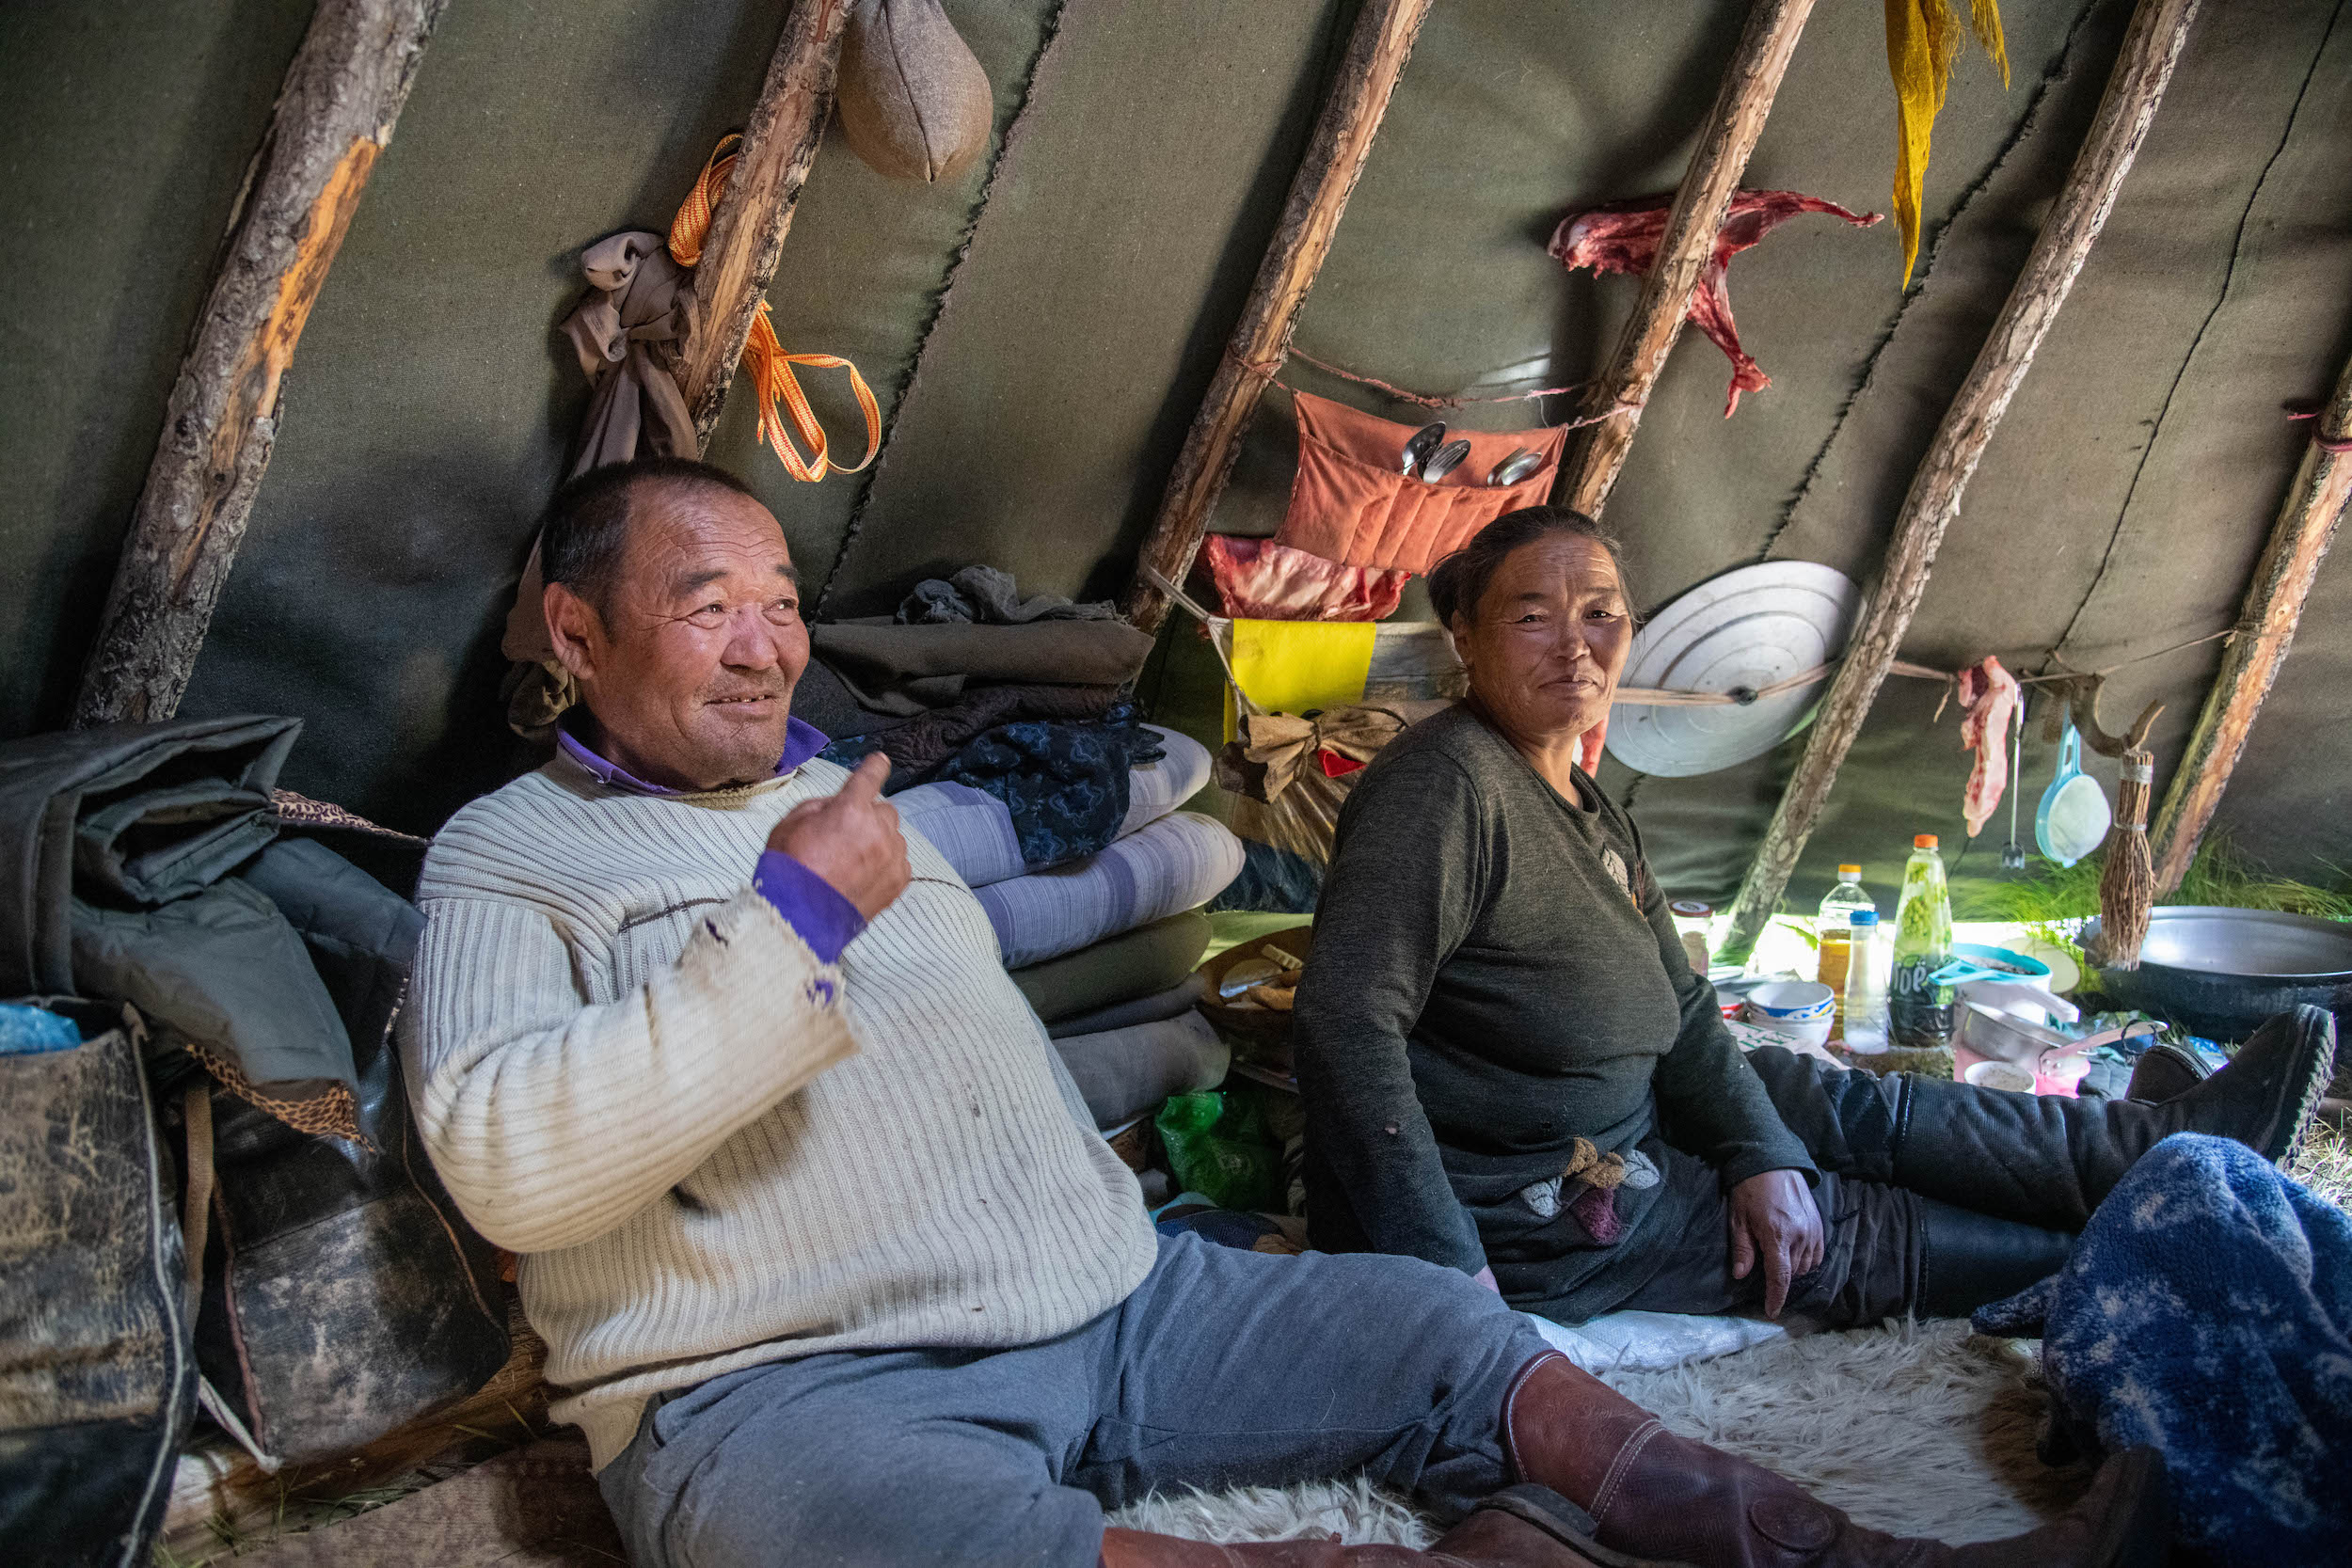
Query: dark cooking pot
<point x="2219" y="971"/>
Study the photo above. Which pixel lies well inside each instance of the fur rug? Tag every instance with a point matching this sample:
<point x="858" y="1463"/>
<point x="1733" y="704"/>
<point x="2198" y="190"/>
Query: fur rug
<point x="1920" y="1430"/>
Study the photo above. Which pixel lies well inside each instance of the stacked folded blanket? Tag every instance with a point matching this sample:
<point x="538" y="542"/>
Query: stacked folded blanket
<point x="1162" y="861"/>
<point x="1103" y="944"/>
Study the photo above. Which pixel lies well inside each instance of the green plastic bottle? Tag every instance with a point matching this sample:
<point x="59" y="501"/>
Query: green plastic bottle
<point x="1919" y="1012"/>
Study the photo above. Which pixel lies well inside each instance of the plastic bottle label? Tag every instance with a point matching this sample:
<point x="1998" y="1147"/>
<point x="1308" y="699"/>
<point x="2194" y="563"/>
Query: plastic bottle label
<point x="1919" y="1011"/>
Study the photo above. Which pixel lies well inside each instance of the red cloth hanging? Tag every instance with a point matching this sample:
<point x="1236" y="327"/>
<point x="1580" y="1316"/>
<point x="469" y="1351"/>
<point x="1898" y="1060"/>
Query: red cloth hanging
<point x="1623" y="236"/>
<point x="1262" y="580"/>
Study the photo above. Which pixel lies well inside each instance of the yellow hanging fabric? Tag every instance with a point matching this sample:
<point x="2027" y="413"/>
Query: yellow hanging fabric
<point x="762" y="355"/>
<point x="1299" y="666"/>
<point x="1922" y="41"/>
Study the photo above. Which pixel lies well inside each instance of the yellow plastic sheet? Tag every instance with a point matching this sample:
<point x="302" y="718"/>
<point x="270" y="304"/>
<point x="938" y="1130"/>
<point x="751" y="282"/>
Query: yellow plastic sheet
<point x="1922" y="41"/>
<point x="1292" y="666"/>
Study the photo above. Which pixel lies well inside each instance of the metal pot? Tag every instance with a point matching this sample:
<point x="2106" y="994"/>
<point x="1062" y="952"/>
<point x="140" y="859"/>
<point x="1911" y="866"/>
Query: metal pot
<point x="2219" y="973"/>
<point x="1999" y="1036"/>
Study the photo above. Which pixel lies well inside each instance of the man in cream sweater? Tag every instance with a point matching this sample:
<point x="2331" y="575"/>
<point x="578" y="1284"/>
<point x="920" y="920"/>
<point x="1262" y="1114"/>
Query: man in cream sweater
<point x="822" y="1243"/>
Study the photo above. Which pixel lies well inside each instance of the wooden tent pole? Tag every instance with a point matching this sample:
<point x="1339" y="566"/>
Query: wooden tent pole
<point x="2274" y="604"/>
<point x="746" y="238"/>
<point x="1377" y="53"/>
<point x="1599" y="450"/>
<point x="335" y="111"/>
<point x="2143" y="67"/>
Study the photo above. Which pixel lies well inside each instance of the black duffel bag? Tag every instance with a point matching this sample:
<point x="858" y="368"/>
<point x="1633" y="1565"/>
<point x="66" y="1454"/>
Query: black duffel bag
<point x="341" y="1293"/>
<point x="97" y="1386"/>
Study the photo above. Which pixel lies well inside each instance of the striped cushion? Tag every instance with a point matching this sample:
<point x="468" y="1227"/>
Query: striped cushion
<point x="970" y="827"/>
<point x="1123" y="1074"/>
<point x="1175" y="864"/>
<point x="1156" y="788"/>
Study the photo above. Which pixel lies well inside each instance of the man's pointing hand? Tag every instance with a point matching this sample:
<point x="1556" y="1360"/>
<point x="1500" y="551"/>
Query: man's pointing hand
<point x="851" y="839"/>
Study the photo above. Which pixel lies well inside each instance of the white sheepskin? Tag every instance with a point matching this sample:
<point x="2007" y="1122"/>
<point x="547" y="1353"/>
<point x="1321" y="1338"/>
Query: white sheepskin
<point x="1922" y="1430"/>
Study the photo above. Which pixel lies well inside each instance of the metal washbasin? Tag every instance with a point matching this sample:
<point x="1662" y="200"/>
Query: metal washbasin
<point x="2221" y="972"/>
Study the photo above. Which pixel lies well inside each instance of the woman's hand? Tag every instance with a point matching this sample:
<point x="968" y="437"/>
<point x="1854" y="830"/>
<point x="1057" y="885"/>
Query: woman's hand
<point x="1773" y="1216"/>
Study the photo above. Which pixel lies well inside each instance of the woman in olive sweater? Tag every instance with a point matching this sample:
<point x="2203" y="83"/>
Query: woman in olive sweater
<point x="1509" y="1068"/>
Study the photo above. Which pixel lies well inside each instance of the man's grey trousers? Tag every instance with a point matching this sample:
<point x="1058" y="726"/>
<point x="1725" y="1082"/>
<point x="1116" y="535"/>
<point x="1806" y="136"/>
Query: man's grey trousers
<point x="1222" y="1368"/>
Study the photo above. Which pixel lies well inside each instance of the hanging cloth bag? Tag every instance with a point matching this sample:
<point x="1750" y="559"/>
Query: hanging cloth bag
<point x="1350" y="502"/>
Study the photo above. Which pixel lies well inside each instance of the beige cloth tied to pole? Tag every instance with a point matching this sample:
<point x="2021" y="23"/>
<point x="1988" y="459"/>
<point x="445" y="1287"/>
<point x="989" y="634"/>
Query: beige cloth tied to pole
<point x="1284" y="745"/>
<point x="627" y="331"/>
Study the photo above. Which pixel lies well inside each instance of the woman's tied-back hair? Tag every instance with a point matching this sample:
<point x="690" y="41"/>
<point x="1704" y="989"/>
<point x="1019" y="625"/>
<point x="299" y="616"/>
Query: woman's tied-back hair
<point x="585" y="532"/>
<point x="1457" y="582"/>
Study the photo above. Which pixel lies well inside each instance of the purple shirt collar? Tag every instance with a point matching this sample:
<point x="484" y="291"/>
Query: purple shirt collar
<point x="801" y="741"/>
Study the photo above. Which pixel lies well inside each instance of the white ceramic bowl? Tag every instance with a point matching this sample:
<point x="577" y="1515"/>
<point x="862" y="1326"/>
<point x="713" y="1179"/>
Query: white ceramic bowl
<point x="1792" y="999"/>
<point x="1811" y="1031"/>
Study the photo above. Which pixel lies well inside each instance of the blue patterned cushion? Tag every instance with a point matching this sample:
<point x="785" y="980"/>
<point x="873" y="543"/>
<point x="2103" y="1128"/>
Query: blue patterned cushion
<point x="974" y="829"/>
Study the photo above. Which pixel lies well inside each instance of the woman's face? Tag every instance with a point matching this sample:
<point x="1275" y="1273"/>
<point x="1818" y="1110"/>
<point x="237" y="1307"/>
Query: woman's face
<point x="1546" y="642"/>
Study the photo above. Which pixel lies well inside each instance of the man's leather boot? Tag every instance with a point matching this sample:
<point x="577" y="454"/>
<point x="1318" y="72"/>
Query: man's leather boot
<point x="1519" y="1526"/>
<point x="1650" y="1491"/>
<point x="2050" y="1159"/>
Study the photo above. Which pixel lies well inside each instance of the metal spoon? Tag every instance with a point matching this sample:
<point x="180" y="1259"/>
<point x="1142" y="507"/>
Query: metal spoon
<point x="1515" y="467"/>
<point x="1418" y="447"/>
<point x="1444" y="461"/>
<point x="2012" y="856"/>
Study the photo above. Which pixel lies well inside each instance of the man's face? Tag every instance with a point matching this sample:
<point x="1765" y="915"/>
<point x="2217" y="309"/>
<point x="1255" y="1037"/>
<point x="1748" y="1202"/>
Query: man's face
<point x="689" y="672"/>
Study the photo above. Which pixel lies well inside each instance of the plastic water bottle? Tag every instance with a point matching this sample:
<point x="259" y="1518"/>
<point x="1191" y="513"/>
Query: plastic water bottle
<point x="1918" y="1012"/>
<point x="1831" y="932"/>
<point x="1863" y="1001"/>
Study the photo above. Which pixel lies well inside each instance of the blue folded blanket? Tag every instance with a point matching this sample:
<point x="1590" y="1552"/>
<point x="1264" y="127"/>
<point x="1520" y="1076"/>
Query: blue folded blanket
<point x="2208" y="1312"/>
<point x="974" y="830"/>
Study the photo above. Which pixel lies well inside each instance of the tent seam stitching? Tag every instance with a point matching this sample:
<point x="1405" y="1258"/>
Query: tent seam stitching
<point x="939" y="306"/>
<point x="2229" y="279"/>
<point x="2060" y="68"/>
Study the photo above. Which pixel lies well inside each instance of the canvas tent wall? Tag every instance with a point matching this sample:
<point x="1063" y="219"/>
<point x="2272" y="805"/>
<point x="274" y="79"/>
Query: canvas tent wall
<point x="1042" y="332"/>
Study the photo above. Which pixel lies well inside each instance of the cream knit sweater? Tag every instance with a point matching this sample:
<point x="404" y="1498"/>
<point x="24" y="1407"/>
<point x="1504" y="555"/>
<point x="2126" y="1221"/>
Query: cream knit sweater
<point x="713" y="1150"/>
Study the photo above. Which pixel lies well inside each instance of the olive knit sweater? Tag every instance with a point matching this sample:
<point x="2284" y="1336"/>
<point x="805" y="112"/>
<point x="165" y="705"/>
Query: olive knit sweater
<point x="1495" y="977"/>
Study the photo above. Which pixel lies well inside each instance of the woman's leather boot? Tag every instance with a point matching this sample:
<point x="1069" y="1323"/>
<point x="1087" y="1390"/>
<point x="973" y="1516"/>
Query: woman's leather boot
<point x="1650" y="1491"/>
<point x="2166" y="1071"/>
<point x="2050" y="1159"/>
<point x="1967" y="1260"/>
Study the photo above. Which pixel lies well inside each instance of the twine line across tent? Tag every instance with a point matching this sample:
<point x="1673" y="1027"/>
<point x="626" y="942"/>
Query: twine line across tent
<point x="1271" y="368"/>
<point x="2335" y="446"/>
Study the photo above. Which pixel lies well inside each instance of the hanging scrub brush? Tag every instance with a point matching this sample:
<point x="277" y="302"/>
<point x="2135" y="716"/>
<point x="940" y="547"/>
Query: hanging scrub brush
<point x="2127" y="883"/>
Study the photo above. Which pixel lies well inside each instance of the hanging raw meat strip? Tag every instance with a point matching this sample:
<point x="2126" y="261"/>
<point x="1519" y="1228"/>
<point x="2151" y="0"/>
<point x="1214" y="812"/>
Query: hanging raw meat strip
<point x="1262" y="580"/>
<point x="1623" y="237"/>
<point x="1988" y="698"/>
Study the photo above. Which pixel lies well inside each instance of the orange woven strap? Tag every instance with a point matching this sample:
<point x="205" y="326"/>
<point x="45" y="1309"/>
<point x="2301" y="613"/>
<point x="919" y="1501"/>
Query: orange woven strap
<point x="777" y="388"/>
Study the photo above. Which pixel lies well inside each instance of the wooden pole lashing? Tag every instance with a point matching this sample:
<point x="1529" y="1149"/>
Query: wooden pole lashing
<point x="2305" y="525"/>
<point x="1376" y="52"/>
<point x="746" y="239"/>
<point x="335" y="112"/>
<point x="2143" y="68"/>
<point x="1597" y="453"/>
